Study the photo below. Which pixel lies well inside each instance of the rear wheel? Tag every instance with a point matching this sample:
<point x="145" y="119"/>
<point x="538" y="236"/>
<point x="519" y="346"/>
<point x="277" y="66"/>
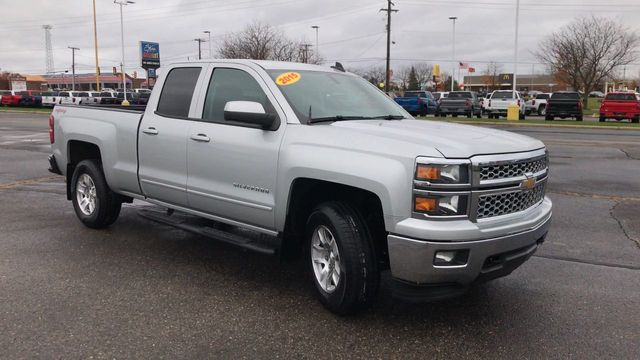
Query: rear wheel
<point x="548" y="118"/>
<point x="522" y="116"/>
<point x="94" y="203"/>
<point x="542" y="110"/>
<point x="341" y="258"/>
<point x="602" y="119"/>
<point x="579" y="118"/>
<point x="636" y="119"/>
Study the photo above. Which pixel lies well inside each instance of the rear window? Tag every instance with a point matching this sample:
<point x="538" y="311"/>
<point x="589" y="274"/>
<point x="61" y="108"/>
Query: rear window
<point x="76" y="94"/>
<point x="415" y="94"/>
<point x="177" y="91"/>
<point x="619" y="97"/>
<point x="542" y="96"/>
<point x="64" y="94"/>
<point x="502" y="95"/>
<point x="105" y="94"/>
<point x="460" y="95"/>
<point x="83" y="94"/>
<point x="23" y="93"/>
<point x="571" y="96"/>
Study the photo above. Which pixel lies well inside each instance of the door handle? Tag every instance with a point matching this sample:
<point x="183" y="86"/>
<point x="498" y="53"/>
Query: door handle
<point x="200" y="138"/>
<point x="150" y="131"/>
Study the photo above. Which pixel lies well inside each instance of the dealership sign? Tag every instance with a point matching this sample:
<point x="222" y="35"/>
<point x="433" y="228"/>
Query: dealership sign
<point x="18" y="83"/>
<point x="149" y="54"/>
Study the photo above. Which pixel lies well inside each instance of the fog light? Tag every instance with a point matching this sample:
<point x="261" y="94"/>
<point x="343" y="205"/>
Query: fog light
<point x="451" y="258"/>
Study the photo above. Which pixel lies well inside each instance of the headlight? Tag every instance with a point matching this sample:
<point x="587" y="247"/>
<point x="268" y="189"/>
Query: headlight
<point x="443" y="173"/>
<point x="441" y="204"/>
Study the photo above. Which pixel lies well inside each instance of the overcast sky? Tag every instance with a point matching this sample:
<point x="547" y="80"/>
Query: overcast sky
<point x="351" y="31"/>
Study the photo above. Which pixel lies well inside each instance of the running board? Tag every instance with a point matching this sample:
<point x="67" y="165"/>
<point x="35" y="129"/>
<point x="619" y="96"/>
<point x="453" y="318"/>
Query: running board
<point x="246" y="239"/>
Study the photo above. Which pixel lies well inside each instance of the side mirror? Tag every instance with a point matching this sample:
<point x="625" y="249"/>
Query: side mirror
<point x="249" y="112"/>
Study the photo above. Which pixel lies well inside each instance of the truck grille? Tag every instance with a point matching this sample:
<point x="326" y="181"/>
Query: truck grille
<point x="514" y="169"/>
<point x="509" y="202"/>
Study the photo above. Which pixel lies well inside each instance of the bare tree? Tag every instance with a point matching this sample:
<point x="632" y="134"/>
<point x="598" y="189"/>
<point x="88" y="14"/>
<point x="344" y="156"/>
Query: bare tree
<point x="424" y="73"/>
<point x="402" y="76"/>
<point x="490" y="75"/>
<point x="586" y="52"/>
<point x="260" y="42"/>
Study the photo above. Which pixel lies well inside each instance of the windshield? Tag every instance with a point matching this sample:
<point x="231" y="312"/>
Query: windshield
<point x="460" y="95"/>
<point x="542" y="96"/>
<point x="415" y="94"/>
<point x="328" y="95"/>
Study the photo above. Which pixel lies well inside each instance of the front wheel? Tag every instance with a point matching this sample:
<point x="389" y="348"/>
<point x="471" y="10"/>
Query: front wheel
<point x="94" y="203"/>
<point x="341" y="258"/>
<point x="579" y="118"/>
<point x="542" y="110"/>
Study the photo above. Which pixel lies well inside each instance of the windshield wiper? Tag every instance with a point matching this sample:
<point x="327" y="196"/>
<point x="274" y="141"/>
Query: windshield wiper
<point x="387" y="117"/>
<point x="335" y="118"/>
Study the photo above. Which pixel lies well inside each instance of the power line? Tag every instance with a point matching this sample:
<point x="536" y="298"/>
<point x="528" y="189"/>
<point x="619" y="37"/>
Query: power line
<point x="388" y="10"/>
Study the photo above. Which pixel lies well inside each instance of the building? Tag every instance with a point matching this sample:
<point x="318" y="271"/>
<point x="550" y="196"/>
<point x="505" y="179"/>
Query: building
<point x="525" y="83"/>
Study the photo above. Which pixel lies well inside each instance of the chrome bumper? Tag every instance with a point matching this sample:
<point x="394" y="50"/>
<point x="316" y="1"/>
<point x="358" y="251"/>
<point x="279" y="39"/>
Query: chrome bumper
<point x="412" y="260"/>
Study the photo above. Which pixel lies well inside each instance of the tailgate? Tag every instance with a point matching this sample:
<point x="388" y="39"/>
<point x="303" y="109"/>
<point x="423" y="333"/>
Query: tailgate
<point x="620" y="106"/>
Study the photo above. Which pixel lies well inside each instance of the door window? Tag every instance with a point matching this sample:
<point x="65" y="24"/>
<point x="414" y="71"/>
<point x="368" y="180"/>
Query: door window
<point x="231" y="85"/>
<point x="177" y="92"/>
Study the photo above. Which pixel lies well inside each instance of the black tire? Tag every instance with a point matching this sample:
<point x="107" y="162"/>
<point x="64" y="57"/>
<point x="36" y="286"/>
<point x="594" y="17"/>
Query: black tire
<point x="479" y="115"/>
<point x="454" y="115"/>
<point x="602" y="119"/>
<point x="107" y="203"/>
<point x="359" y="280"/>
<point x="636" y="120"/>
<point x="470" y="114"/>
<point x="579" y="118"/>
<point x="548" y="117"/>
<point x="522" y="116"/>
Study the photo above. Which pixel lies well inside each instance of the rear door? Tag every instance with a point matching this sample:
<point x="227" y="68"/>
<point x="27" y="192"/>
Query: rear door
<point x="233" y="166"/>
<point x="162" y="138"/>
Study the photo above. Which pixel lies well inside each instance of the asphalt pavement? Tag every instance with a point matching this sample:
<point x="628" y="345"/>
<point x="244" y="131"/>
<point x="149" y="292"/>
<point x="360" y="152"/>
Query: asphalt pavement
<point x="143" y="290"/>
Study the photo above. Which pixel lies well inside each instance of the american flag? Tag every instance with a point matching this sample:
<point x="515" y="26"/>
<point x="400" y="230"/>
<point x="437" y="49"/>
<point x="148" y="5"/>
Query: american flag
<point x="464" y="66"/>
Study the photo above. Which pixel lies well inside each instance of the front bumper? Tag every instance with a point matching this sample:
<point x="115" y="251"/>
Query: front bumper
<point x="412" y="259"/>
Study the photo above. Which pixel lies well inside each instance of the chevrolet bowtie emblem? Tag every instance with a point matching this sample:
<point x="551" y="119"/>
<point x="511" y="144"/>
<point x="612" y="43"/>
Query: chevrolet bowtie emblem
<point x="529" y="182"/>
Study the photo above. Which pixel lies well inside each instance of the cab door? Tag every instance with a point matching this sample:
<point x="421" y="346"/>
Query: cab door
<point x="162" y="138"/>
<point x="233" y="166"/>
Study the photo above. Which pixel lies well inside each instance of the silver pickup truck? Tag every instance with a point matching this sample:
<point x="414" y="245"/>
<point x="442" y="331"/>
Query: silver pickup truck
<point x="302" y="160"/>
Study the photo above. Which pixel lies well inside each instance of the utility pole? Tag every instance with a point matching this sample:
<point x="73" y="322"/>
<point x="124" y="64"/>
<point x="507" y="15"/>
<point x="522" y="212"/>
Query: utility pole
<point x="73" y="67"/>
<point x="95" y="45"/>
<point x="209" y="33"/>
<point x="515" y="50"/>
<point x="200" y="41"/>
<point x="125" y="102"/>
<point x="453" y="56"/>
<point x="388" y="10"/>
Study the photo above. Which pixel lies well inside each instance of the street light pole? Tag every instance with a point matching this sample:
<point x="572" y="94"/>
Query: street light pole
<point x="73" y="67"/>
<point x="317" y="49"/>
<point x="95" y="44"/>
<point x="209" y="33"/>
<point x="453" y="44"/>
<point x="515" y="49"/>
<point x="124" y="79"/>
<point x="199" y="47"/>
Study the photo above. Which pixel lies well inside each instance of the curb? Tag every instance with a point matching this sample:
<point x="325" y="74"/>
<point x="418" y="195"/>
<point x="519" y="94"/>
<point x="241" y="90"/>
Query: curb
<point x="516" y="124"/>
<point x="12" y="111"/>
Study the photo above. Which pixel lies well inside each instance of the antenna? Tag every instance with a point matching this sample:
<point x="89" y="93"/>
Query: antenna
<point x="48" y="48"/>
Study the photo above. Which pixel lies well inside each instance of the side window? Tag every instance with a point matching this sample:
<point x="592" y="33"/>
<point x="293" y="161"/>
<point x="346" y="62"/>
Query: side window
<point x="231" y="85"/>
<point x="177" y="91"/>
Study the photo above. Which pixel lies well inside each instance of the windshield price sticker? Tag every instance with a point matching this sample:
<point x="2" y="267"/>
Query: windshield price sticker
<point x="288" y="78"/>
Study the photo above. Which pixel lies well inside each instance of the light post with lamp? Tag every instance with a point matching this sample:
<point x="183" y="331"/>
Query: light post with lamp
<point x="124" y="79"/>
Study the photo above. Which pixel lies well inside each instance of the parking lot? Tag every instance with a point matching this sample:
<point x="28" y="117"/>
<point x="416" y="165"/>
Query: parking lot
<point x="140" y="289"/>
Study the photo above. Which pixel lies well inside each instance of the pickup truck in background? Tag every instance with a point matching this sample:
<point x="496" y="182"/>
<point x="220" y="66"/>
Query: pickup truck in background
<point x="30" y="98"/>
<point x="499" y="102"/>
<point x="297" y="160"/>
<point x="50" y="98"/>
<point x="417" y="102"/>
<point x="460" y="103"/>
<point x="538" y="104"/>
<point x="564" y="104"/>
<point x="10" y="98"/>
<point x="619" y="106"/>
<point x="440" y="95"/>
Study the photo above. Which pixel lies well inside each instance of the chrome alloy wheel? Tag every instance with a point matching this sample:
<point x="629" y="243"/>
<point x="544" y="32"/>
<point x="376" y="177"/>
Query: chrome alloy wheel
<point x="86" y="194"/>
<point x="325" y="259"/>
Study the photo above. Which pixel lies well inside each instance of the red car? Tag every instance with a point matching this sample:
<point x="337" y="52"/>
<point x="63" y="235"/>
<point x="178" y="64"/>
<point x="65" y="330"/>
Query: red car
<point x="620" y="105"/>
<point x="10" y="98"/>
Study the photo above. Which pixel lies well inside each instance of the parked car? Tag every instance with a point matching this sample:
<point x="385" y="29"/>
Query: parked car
<point x="460" y="103"/>
<point x="50" y="98"/>
<point x="132" y="97"/>
<point x="596" y="94"/>
<point x="297" y="159"/>
<point x="30" y="98"/>
<point x="538" y="104"/>
<point x="564" y="104"/>
<point x="142" y="91"/>
<point x="417" y="102"/>
<point x="108" y="97"/>
<point x="10" y="98"/>
<point x="70" y="97"/>
<point x="619" y="106"/>
<point x="499" y="102"/>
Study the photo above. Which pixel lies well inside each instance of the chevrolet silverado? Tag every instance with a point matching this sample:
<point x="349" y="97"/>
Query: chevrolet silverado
<point x="303" y="160"/>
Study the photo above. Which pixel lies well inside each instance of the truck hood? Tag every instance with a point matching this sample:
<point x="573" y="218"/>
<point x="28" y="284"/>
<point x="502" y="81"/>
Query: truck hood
<point x="451" y="140"/>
